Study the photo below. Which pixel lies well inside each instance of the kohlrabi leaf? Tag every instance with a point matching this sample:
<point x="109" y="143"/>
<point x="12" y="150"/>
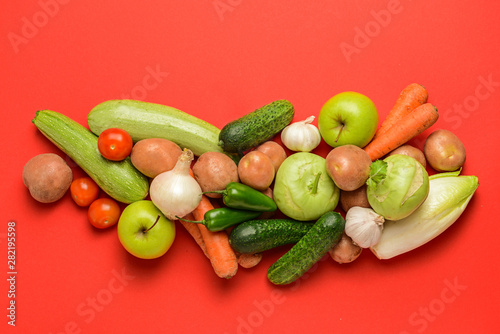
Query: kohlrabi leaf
<point x="378" y="172"/>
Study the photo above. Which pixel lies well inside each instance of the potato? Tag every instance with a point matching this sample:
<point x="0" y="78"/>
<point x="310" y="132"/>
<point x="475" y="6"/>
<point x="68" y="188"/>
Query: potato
<point x="48" y="177"/>
<point x="154" y="156"/>
<point x="274" y="151"/>
<point x="444" y="151"/>
<point x="213" y="171"/>
<point x="256" y="170"/>
<point x="412" y="152"/>
<point x="357" y="197"/>
<point x="267" y="215"/>
<point x="345" y="251"/>
<point x="348" y="166"/>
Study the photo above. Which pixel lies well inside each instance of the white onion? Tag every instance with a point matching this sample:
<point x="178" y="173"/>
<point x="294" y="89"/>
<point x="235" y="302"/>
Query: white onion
<point x="175" y="192"/>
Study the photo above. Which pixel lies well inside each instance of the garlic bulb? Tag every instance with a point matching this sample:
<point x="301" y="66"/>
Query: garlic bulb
<point x="301" y="136"/>
<point x="364" y="226"/>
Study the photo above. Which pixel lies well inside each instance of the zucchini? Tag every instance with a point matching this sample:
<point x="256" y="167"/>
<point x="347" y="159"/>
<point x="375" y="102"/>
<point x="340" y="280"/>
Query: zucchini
<point x="150" y="120"/>
<point x="255" y="236"/>
<point x="256" y="127"/>
<point x="119" y="179"/>
<point x="325" y="234"/>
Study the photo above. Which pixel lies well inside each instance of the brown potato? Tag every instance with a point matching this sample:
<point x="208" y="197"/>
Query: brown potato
<point x="256" y="170"/>
<point x="274" y="151"/>
<point x="348" y="166"/>
<point x="357" y="197"/>
<point x="267" y="215"/>
<point x="48" y="177"/>
<point x="444" y="151"/>
<point x="412" y="152"/>
<point x="154" y="156"/>
<point x="345" y="251"/>
<point x="248" y="260"/>
<point x="213" y="171"/>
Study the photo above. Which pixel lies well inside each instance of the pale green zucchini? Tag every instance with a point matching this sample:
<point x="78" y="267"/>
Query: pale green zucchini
<point x="150" y="120"/>
<point x="120" y="180"/>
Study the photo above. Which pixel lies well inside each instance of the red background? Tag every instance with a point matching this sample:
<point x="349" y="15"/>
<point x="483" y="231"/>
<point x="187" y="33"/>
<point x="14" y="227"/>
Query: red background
<point x="219" y="60"/>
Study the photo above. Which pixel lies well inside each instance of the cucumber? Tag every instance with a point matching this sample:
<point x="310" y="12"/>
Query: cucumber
<point x="255" y="236"/>
<point x="120" y="180"/>
<point x="325" y="233"/>
<point x="256" y="127"/>
<point x="150" y="120"/>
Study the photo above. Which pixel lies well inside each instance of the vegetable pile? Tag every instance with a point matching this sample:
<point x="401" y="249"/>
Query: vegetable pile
<point x="239" y="192"/>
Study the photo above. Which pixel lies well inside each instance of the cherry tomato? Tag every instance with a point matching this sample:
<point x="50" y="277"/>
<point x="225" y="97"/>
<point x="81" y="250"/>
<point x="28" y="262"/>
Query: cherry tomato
<point x="84" y="191"/>
<point x="104" y="212"/>
<point x="115" y="144"/>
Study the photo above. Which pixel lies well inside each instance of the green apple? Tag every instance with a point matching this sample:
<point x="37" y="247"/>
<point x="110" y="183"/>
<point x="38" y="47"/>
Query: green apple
<point x="348" y="118"/>
<point x="144" y="231"/>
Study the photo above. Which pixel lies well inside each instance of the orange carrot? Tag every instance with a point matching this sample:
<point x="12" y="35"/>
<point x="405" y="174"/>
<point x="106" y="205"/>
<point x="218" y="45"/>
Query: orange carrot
<point x="194" y="230"/>
<point x="249" y="260"/>
<point x="410" y="98"/>
<point x="221" y="255"/>
<point x="411" y="125"/>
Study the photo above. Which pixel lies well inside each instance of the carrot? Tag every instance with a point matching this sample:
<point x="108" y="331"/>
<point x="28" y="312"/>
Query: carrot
<point x="194" y="230"/>
<point x="411" y="125"/>
<point x="410" y="98"/>
<point x="249" y="260"/>
<point x="221" y="255"/>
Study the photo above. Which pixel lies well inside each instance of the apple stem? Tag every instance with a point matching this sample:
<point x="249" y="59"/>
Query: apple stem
<point x="338" y="136"/>
<point x="314" y="189"/>
<point x="156" y="221"/>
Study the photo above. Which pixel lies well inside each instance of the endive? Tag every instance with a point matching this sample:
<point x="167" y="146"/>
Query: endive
<point x="449" y="195"/>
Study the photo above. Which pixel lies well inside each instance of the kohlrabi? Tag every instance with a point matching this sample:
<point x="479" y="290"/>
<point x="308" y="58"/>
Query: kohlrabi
<point x="302" y="188"/>
<point x="397" y="186"/>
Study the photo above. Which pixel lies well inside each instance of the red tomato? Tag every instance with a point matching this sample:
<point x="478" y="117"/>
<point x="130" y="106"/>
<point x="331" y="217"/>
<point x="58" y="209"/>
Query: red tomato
<point x="115" y="144"/>
<point x="84" y="191"/>
<point x="104" y="212"/>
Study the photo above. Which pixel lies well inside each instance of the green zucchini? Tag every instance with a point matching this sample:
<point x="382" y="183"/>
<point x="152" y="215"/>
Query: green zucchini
<point x="119" y="179"/>
<point x="325" y="233"/>
<point x="255" y="236"/>
<point x="256" y="127"/>
<point x="150" y="120"/>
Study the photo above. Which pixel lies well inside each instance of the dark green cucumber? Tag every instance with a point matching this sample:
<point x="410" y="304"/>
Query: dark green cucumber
<point x="325" y="233"/>
<point x="255" y="236"/>
<point x="256" y="127"/>
<point x="119" y="179"/>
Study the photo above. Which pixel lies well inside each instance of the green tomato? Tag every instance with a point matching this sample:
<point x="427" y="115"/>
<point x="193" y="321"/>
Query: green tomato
<point x="302" y="189"/>
<point x="348" y="118"/>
